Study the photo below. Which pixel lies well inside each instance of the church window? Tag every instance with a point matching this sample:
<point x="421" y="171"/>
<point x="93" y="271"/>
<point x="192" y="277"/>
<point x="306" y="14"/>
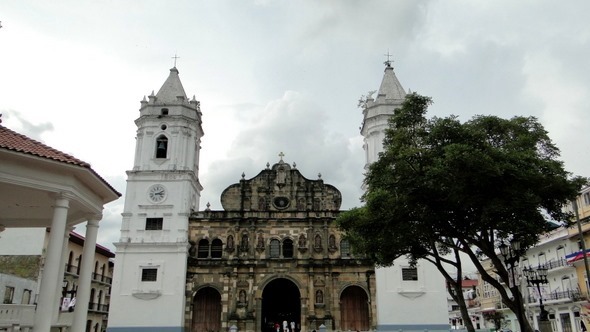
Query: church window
<point x="216" y="248"/>
<point x="164" y="111"/>
<point x="275" y="248"/>
<point x="161" y="147"/>
<point x="203" y="251"/>
<point x="409" y="273"/>
<point x="288" y="248"/>
<point x="344" y="249"/>
<point x="149" y="274"/>
<point x="154" y="224"/>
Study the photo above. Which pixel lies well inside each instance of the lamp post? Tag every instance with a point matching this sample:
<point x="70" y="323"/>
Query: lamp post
<point x="511" y="255"/>
<point x="537" y="278"/>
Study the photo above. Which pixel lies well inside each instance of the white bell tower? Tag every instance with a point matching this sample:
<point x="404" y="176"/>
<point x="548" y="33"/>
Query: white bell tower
<point x="163" y="189"/>
<point x="402" y="290"/>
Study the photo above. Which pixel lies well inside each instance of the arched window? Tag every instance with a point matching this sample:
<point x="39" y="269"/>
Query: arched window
<point x="162" y="147"/>
<point x="344" y="249"/>
<point x="203" y="251"/>
<point x="275" y="248"/>
<point x="99" y="299"/>
<point x="79" y="265"/>
<point x="91" y="302"/>
<point x="216" y="246"/>
<point x="70" y="259"/>
<point x="288" y="248"/>
<point x="542" y="259"/>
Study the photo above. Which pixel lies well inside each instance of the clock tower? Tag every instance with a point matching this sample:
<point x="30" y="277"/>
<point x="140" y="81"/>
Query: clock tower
<point x="163" y="189"/>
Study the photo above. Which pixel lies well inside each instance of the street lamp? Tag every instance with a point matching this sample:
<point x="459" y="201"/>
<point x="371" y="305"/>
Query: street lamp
<point x="511" y="255"/>
<point x="537" y="278"/>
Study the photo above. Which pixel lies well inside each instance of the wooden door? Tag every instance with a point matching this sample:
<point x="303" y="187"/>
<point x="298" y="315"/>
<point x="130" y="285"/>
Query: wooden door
<point x="354" y="310"/>
<point x="207" y="311"/>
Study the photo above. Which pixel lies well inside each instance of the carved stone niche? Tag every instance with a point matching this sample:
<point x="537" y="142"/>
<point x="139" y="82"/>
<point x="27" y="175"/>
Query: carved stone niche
<point x="302" y="243"/>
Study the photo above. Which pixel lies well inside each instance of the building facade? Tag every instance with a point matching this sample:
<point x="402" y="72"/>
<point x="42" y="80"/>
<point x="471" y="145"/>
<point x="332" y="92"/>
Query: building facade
<point x="21" y="268"/>
<point x="275" y="255"/>
<point x="272" y="256"/>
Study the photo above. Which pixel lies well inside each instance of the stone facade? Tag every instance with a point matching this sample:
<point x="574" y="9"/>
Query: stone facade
<point x="275" y="254"/>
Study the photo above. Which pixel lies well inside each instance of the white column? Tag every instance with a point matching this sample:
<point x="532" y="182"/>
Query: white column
<point x="62" y="268"/>
<point x="85" y="278"/>
<point x="47" y="305"/>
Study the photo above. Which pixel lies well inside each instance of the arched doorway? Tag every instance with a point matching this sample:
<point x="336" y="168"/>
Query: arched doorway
<point x="354" y="309"/>
<point x="206" y="310"/>
<point x="281" y="301"/>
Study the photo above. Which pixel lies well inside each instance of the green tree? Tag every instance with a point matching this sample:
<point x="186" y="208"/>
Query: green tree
<point x="442" y="186"/>
<point x="495" y="317"/>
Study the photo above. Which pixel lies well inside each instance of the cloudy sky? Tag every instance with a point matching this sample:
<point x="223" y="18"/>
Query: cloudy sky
<point x="284" y="76"/>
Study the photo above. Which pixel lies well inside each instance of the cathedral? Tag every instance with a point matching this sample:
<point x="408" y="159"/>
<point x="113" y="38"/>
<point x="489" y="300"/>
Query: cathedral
<point x="273" y="259"/>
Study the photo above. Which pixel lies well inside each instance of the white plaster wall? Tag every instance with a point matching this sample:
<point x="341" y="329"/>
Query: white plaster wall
<point x="411" y="302"/>
<point x="167" y="309"/>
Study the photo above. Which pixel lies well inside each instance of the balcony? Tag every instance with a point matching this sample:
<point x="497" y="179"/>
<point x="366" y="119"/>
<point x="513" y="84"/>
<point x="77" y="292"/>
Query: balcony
<point x="16" y="315"/>
<point x="568" y="295"/>
<point x="102" y="278"/>
<point x="556" y="264"/>
<point x="98" y="307"/>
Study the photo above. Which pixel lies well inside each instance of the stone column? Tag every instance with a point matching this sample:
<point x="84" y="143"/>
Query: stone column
<point x="85" y="278"/>
<point x="51" y="279"/>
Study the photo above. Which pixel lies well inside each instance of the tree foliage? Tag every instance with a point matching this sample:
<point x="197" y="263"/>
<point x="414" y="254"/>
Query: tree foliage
<point x="442" y="185"/>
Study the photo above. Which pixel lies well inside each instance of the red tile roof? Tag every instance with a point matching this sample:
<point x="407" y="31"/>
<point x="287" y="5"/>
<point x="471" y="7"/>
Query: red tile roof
<point x="11" y="140"/>
<point x="20" y="143"/>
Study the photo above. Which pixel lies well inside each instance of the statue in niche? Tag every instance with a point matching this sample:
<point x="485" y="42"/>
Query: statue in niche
<point x="261" y="204"/>
<point x="302" y="241"/>
<point x="260" y="241"/>
<point x="332" y="242"/>
<point x="230" y="242"/>
<point x="318" y="241"/>
<point x="319" y="296"/>
<point x="316" y="204"/>
<point x="301" y="204"/>
<point x="245" y="242"/>
<point x="281" y="176"/>
<point x="242" y="296"/>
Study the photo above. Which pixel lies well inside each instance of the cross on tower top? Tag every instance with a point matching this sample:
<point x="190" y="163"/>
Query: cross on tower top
<point x="175" y="57"/>
<point x="281" y="155"/>
<point x="388" y="61"/>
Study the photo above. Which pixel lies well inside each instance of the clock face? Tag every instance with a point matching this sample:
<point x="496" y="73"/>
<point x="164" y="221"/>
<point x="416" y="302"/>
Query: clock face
<point x="157" y="193"/>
